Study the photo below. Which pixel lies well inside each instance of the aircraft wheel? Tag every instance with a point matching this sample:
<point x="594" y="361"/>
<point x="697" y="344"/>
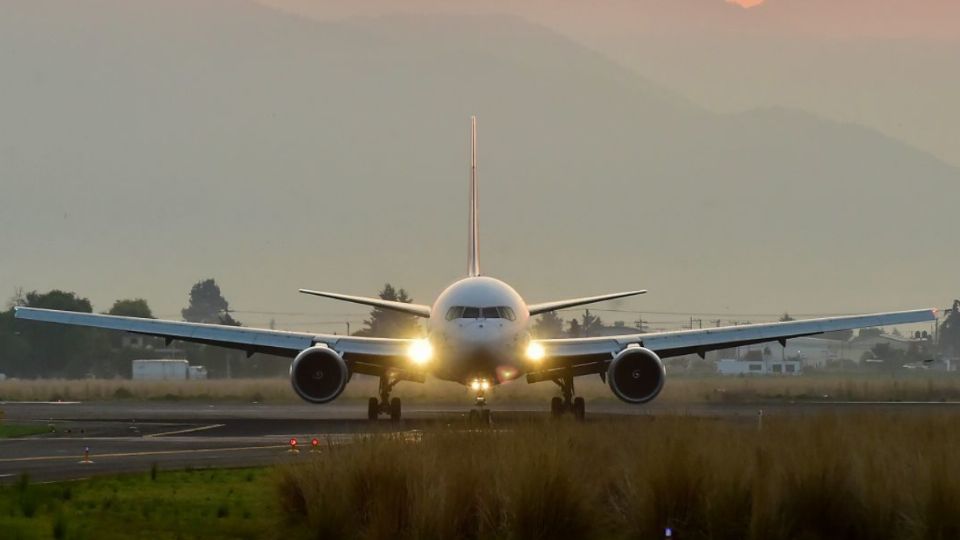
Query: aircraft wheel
<point x="556" y="407"/>
<point x="395" y="409"/>
<point x="485" y="417"/>
<point x="373" y="409"/>
<point x="579" y="408"/>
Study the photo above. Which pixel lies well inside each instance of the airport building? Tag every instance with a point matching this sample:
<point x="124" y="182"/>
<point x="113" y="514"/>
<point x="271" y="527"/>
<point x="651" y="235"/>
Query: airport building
<point x="732" y="366"/>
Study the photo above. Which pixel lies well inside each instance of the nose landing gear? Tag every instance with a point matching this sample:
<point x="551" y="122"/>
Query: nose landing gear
<point x="568" y="403"/>
<point x="385" y="405"/>
<point x="480" y="415"/>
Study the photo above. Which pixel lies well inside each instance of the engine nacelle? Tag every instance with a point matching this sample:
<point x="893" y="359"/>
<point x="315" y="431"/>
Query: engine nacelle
<point x="318" y="374"/>
<point x="636" y="375"/>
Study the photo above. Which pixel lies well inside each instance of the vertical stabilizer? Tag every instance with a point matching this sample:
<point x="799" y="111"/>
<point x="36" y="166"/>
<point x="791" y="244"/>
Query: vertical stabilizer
<point x="473" y="260"/>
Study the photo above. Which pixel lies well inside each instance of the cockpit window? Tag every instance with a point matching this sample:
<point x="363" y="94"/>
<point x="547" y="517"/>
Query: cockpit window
<point x="466" y="312"/>
<point x="489" y="313"/>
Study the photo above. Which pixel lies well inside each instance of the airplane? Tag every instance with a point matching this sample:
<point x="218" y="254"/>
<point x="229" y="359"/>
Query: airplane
<point x="478" y="335"/>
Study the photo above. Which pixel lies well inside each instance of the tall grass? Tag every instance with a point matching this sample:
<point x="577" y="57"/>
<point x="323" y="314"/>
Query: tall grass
<point x="943" y="387"/>
<point x="879" y="476"/>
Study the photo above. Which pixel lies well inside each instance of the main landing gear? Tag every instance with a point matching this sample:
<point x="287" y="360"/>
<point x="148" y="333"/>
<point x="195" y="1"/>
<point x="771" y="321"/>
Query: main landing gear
<point x="567" y="403"/>
<point x="384" y="405"/>
<point x="481" y="414"/>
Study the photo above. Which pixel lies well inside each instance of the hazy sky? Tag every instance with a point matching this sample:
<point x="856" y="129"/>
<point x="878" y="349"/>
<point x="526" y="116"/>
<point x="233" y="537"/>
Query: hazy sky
<point x="892" y="65"/>
<point x="154" y="144"/>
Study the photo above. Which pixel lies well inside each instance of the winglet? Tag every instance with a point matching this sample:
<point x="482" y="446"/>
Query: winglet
<point x="473" y="256"/>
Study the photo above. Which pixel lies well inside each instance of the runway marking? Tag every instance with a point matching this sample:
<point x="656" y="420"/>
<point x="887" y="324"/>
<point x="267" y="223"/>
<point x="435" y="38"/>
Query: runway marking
<point x="147" y="453"/>
<point x="182" y="431"/>
<point x="40" y="402"/>
<point x="877" y="402"/>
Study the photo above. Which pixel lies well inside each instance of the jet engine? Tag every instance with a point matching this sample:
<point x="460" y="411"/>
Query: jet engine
<point x="318" y="374"/>
<point x="636" y="375"/>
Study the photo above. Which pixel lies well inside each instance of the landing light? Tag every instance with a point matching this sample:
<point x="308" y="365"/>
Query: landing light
<point x="535" y="351"/>
<point x="420" y="351"/>
<point x="479" y="384"/>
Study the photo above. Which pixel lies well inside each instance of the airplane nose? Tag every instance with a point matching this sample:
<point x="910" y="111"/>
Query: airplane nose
<point x="480" y="332"/>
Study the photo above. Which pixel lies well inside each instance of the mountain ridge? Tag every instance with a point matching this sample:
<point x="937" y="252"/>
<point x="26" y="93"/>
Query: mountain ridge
<point x="272" y="153"/>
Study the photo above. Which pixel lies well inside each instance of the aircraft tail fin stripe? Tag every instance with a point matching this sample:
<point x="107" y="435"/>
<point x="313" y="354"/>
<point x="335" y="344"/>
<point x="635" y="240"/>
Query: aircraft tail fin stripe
<point x="473" y="260"/>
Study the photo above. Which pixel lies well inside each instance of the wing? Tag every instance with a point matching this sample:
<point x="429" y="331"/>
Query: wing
<point x="537" y="309"/>
<point x="591" y="355"/>
<point x="404" y="307"/>
<point x="370" y="356"/>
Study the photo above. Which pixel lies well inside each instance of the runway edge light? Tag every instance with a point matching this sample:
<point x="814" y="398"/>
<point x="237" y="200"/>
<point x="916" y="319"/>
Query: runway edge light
<point x="293" y="446"/>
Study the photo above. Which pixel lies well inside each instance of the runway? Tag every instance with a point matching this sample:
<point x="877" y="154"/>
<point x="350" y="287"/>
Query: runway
<point x="133" y="436"/>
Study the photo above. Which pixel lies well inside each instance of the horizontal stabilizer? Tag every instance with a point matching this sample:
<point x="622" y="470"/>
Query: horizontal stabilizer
<point x="536" y="309"/>
<point x="412" y="309"/>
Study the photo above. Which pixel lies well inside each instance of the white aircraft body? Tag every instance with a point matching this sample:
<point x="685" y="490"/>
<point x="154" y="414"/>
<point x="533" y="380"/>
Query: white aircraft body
<point x="478" y="334"/>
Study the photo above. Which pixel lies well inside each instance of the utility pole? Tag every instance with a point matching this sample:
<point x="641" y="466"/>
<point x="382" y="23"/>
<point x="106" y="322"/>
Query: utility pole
<point x="640" y="323"/>
<point x="348" y="327"/>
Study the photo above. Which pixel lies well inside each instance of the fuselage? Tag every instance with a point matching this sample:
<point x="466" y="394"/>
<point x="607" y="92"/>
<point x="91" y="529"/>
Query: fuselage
<point x="479" y="329"/>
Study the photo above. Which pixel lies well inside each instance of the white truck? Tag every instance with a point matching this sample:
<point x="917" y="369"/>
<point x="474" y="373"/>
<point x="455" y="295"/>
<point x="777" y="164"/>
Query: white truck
<point x="166" y="370"/>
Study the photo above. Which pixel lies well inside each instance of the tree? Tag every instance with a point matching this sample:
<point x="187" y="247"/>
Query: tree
<point x="56" y="350"/>
<point x="549" y="325"/>
<point x="57" y="299"/>
<point x="391" y="323"/>
<point x="590" y="325"/>
<point x="14" y="348"/>
<point x="950" y="330"/>
<point x="574" y="331"/>
<point x="207" y="305"/>
<point x="136" y="307"/>
<point x="786" y="317"/>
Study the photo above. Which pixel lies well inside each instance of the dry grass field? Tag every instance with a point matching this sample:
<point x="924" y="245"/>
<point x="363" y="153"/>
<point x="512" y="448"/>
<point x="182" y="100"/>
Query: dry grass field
<point x="935" y="387"/>
<point x="878" y="476"/>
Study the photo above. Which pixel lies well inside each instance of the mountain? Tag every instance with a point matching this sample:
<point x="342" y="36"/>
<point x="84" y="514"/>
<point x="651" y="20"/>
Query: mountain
<point x="151" y="144"/>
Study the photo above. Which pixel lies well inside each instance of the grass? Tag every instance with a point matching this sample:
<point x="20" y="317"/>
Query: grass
<point x="879" y="476"/>
<point x="8" y="431"/>
<point x="226" y="503"/>
<point x="679" y="389"/>
<point x="852" y="476"/>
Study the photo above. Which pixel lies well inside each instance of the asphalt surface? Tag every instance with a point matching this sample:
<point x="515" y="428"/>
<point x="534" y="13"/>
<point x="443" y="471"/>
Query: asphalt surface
<point x="134" y="436"/>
